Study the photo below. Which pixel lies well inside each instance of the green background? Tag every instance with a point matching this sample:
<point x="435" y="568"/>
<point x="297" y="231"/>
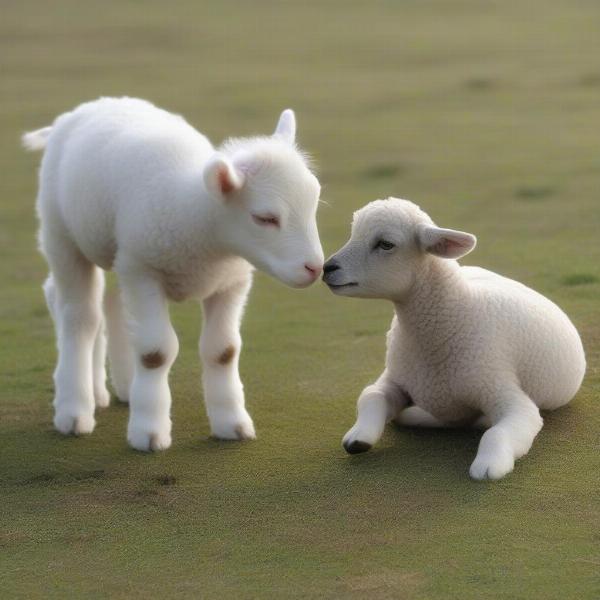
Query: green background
<point x="487" y="114"/>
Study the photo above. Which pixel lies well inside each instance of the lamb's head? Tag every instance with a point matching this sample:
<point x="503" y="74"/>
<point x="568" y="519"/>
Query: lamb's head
<point x="268" y="198"/>
<point x="390" y="243"/>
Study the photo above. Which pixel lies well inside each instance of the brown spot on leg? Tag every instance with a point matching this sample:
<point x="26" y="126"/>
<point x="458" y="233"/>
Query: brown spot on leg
<point x="153" y="360"/>
<point x="226" y="356"/>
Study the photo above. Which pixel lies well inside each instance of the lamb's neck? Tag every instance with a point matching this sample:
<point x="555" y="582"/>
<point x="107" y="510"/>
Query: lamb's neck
<point x="202" y="218"/>
<point x="430" y="310"/>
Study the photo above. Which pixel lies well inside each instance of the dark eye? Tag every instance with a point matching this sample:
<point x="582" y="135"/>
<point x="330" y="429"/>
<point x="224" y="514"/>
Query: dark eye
<point x="384" y="245"/>
<point x="266" y="220"/>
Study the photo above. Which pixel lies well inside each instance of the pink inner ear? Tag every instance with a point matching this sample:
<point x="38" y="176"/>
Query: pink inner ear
<point x="444" y="245"/>
<point x="453" y="243"/>
<point x="225" y="181"/>
<point x="439" y="247"/>
<point x="447" y="247"/>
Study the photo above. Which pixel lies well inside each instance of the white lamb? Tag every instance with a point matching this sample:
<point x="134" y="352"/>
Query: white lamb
<point x="466" y="346"/>
<point x="127" y="186"/>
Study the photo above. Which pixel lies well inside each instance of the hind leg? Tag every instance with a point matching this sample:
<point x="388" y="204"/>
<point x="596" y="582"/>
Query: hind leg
<point x="120" y="350"/>
<point x="101" y="395"/>
<point x="73" y="293"/>
<point x="515" y="421"/>
<point x="415" y="416"/>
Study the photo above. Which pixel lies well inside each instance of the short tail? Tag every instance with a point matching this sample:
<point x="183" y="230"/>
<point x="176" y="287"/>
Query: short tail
<point x="36" y="140"/>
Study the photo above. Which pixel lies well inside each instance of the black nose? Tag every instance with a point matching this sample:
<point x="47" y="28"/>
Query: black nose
<point x="330" y="266"/>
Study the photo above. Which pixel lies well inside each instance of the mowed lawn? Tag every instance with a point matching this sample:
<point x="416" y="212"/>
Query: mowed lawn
<point x="485" y="113"/>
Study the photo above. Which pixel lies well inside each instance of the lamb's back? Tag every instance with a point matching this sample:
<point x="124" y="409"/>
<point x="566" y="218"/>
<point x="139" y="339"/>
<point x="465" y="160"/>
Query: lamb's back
<point x="496" y="334"/>
<point x="121" y="145"/>
<point x="530" y="335"/>
<point x="117" y="163"/>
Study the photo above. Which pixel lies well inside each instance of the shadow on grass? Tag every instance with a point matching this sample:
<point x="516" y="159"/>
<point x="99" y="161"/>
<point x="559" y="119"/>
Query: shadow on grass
<point x="424" y="470"/>
<point x="579" y="279"/>
<point x="382" y="171"/>
<point x="535" y="192"/>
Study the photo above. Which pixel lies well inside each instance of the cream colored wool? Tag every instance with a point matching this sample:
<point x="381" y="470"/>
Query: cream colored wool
<point x="466" y="346"/>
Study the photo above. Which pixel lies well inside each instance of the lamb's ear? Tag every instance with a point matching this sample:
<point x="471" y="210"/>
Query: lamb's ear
<point x="286" y="127"/>
<point x="446" y="243"/>
<point x="221" y="177"/>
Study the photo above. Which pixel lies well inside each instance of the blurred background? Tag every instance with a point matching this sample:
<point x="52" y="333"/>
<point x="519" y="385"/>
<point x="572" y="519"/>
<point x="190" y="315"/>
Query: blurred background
<point x="487" y="114"/>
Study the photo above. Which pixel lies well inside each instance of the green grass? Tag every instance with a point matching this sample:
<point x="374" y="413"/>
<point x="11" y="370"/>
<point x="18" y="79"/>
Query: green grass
<point x="487" y="114"/>
<point x="580" y="279"/>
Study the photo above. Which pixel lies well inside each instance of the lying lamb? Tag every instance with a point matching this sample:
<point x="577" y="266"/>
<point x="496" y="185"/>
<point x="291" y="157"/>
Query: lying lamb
<point x="466" y="346"/>
<point x="127" y="186"/>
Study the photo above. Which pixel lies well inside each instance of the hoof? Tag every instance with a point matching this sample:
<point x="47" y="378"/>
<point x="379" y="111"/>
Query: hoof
<point x="233" y="427"/>
<point x="149" y="441"/>
<point x="245" y="432"/>
<point x="74" y="425"/>
<point x="102" y="398"/>
<point x="239" y="433"/>
<point x="356" y="447"/>
<point x="492" y="468"/>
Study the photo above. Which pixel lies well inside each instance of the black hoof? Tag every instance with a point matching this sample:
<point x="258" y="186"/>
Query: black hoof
<point x="357" y="447"/>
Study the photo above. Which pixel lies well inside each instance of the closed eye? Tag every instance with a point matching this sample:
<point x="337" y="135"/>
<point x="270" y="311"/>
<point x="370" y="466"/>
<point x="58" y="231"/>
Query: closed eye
<point x="266" y="220"/>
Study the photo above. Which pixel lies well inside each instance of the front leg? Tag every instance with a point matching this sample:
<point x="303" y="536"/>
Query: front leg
<point x="220" y="345"/>
<point x="155" y="347"/>
<point x="377" y="404"/>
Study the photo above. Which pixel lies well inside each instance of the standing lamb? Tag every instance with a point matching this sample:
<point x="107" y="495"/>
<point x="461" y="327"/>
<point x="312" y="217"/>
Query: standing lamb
<point x="466" y="346"/>
<point x="127" y="186"/>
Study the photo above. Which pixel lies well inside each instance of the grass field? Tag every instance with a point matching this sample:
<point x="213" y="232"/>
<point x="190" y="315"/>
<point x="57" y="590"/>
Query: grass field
<point x="485" y="113"/>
